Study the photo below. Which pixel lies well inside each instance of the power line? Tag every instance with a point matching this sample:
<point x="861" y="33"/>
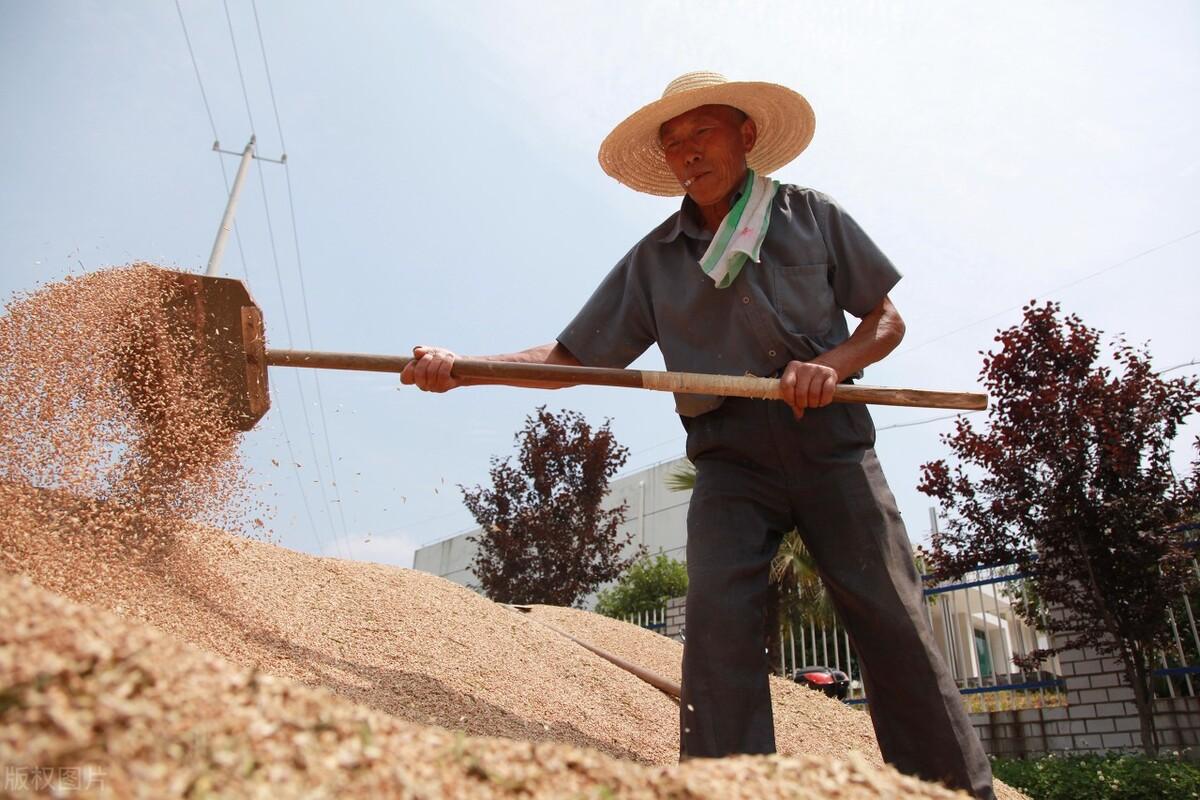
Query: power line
<point x="632" y="470"/>
<point x="317" y="464"/>
<point x="216" y="138"/>
<point x="282" y="422"/>
<point x="242" y="253"/>
<point x="287" y="321"/>
<point x="238" y="62"/>
<point x="196" y="67"/>
<point x="345" y="538"/>
<point x="656" y="446"/>
<point x="267" y="69"/>
<point x="300" y="484"/>
<point x="1191" y="363"/>
<point x="337" y="493"/>
<point x="1048" y="293"/>
<point x="924" y="421"/>
<point x="288" y="330"/>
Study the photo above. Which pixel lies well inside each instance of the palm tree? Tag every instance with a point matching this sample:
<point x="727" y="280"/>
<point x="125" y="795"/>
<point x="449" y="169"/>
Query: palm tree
<point x="797" y="594"/>
<point x="682" y="478"/>
<point x="795" y="571"/>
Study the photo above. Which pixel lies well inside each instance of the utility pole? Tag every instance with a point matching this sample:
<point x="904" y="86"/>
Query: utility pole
<point x="214" y="260"/>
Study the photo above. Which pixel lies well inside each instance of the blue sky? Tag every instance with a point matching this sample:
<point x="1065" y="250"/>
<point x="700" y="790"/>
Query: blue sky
<point x="443" y="162"/>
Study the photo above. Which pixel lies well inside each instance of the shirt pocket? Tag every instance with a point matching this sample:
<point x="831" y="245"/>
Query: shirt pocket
<point x="803" y="297"/>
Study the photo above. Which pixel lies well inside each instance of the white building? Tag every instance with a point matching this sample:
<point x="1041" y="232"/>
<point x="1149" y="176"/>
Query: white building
<point x="980" y="632"/>
<point x="655" y="515"/>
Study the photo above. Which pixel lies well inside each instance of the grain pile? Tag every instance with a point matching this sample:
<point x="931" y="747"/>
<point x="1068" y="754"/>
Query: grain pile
<point x="412" y="646"/>
<point x="104" y="394"/>
<point x="119" y="709"/>
<point x="404" y="642"/>
<point x="805" y="721"/>
<point x="115" y="464"/>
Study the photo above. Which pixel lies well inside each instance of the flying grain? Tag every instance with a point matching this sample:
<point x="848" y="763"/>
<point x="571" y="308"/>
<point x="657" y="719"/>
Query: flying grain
<point x="105" y="394"/>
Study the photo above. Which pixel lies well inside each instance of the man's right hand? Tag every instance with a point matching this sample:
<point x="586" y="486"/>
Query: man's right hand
<point x="429" y="370"/>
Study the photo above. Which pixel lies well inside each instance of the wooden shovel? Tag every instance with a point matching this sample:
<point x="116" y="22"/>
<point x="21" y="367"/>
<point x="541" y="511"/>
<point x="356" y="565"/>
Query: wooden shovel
<point x="684" y="382"/>
<point x="229" y="335"/>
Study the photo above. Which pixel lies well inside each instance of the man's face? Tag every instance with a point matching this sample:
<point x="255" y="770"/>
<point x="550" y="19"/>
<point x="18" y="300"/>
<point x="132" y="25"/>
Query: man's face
<point x="706" y="149"/>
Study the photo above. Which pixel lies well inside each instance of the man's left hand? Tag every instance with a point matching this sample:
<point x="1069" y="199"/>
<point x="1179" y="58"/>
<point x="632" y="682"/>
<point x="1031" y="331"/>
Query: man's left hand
<point x="807" y="384"/>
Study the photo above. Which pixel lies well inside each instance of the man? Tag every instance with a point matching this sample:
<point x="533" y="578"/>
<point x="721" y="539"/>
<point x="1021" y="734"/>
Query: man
<point x="753" y="277"/>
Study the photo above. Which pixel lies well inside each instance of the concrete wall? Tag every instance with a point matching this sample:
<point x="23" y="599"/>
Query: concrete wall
<point x="449" y="558"/>
<point x="655" y="516"/>
<point x="1100" y="715"/>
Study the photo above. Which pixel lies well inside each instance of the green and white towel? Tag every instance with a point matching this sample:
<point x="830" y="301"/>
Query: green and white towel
<point x="741" y="233"/>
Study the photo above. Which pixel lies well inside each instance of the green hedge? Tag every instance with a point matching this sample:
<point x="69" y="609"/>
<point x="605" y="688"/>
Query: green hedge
<point x="1112" y="777"/>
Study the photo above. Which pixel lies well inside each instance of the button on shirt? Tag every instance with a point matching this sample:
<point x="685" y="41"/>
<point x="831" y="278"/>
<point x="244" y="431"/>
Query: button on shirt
<point x="816" y="263"/>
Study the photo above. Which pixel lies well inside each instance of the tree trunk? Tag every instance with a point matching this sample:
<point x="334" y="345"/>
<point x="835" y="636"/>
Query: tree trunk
<point x="1138" y="674"/>
<point x="1136" y="663"/>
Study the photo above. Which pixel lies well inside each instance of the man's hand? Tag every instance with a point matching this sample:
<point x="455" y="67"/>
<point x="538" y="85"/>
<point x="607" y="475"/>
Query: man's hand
<point x="429" y="370"/>
<point x="807" y="384"/>
<point x="810" y="384"/>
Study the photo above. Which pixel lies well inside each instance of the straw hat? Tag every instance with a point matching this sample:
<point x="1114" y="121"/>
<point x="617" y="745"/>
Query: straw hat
<point x="632" y="153"/>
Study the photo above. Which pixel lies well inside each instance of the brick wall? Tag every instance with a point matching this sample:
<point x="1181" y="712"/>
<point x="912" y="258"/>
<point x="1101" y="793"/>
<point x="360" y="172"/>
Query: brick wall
<point x="1016" y="733"/>
<point x="1100" y="715"/>
<point x="674" y="624"/>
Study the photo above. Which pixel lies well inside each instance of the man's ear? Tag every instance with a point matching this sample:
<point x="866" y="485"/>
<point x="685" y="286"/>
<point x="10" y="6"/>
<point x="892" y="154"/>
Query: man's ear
<point x="749" y="134"/>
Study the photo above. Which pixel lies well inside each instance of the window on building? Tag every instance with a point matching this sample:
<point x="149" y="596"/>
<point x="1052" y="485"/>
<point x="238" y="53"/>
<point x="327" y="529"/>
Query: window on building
<point x="983" y="652"/>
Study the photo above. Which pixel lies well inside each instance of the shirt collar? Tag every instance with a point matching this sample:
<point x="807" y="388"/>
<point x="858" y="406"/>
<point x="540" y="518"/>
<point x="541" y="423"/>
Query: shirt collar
<point x="689" y="222"/>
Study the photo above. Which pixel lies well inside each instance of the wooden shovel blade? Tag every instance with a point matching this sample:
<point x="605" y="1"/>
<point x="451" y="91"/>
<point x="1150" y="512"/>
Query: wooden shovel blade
<point x="226" y="330"/>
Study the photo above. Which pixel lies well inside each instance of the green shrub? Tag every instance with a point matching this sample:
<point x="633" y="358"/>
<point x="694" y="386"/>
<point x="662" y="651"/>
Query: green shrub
<point x="1111" y="777"/>
<point x="648" y="584"/>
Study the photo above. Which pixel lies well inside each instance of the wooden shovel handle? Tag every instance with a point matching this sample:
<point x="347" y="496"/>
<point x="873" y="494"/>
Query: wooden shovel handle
<point x="517" y="374"/>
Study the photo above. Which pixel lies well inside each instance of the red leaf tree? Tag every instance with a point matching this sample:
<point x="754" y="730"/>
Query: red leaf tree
<point x="545" y="537"/>
<point x="1071" y="479"/>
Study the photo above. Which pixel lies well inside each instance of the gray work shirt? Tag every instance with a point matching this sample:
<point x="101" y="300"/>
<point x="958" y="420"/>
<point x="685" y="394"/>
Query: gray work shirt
<point x="816" y="262"/>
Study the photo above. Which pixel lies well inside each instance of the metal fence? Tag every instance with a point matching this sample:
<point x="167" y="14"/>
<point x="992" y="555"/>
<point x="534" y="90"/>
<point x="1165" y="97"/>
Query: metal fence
<point x="654" y="619"/>
<point x="979" y="633"/>
<point x="1181" y="661"/>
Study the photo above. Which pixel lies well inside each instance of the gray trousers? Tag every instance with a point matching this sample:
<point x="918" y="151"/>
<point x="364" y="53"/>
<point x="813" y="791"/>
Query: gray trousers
<point x="759" y="473"/>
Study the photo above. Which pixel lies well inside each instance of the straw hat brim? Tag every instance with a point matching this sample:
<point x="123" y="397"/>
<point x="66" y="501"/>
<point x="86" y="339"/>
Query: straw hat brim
<point x="633" y="155"/>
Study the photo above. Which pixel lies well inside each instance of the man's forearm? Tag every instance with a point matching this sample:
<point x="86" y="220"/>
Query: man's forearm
<point x="550" y="353"/>
<point x="876" y="335"/>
